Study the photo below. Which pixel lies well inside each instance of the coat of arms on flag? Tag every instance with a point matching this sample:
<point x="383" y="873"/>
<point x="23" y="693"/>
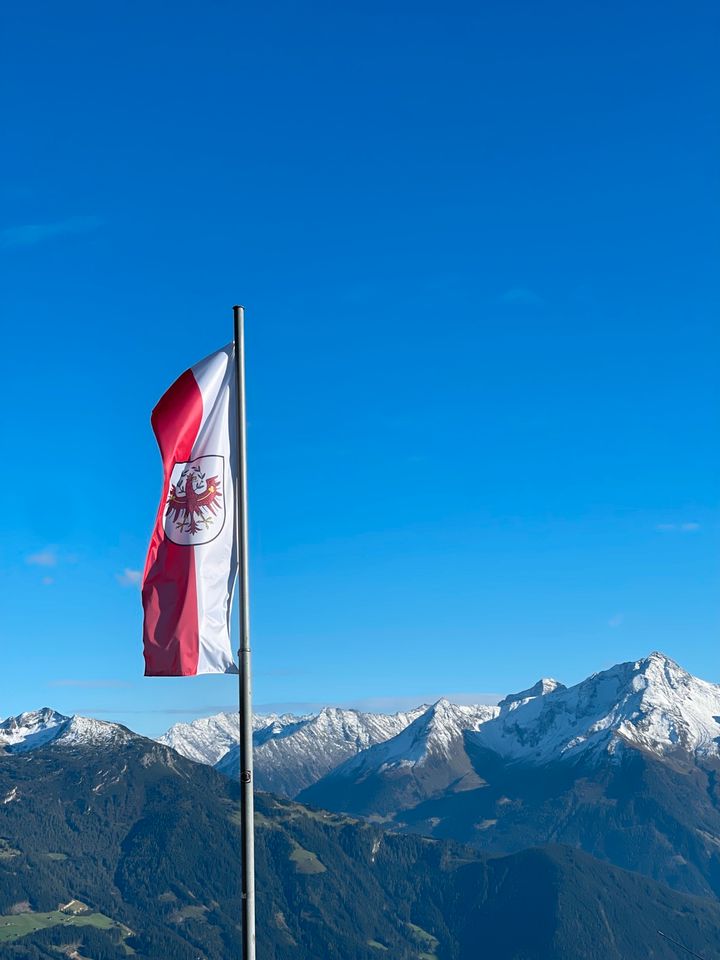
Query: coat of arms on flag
<point x="195" y="511"/>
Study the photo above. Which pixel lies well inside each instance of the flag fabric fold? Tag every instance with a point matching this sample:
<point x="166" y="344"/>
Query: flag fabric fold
<point x="192" y="560"/>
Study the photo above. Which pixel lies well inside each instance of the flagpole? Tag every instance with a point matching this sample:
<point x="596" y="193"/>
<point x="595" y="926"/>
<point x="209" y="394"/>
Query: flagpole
<point x="246" y="744"/>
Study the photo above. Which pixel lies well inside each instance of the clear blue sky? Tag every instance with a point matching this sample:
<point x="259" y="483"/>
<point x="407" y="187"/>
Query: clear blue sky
<point x="478" y="247"/>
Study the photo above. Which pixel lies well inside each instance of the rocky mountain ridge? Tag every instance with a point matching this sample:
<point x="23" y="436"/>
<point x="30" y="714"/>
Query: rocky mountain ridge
<point x="650" y="704"/>
<point x="208" y="739"/>
<point x="294" y="755"/>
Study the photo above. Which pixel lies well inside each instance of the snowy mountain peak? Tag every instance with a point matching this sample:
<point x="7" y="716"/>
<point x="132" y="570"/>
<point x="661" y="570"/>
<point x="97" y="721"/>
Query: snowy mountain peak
<point x="30" y="729"/>
<point x="542" y="688"/>
<point x="659" y="656"/>
<point x="660" y="668"/>
<point x="446" y="716"/>
<point x="433" y="736"/>
<point x="651" y="703"/>
<point x="84" y="731"/>
<point x="442" y="708"/>
<point x="43" y="716"/>
<point x="36" y="728"/>
<point x="443" y="724"/>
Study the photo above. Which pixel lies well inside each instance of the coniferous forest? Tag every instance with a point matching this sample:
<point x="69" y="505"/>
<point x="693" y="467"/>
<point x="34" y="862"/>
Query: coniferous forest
<point x="148" y="841"/>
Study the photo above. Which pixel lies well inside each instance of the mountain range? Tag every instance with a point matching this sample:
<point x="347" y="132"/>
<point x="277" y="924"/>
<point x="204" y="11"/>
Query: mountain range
<point x="144" y="842"/>
<point x="651" y="704"/>
<point x="623" y="765"/>
<point x="591" y="811"/>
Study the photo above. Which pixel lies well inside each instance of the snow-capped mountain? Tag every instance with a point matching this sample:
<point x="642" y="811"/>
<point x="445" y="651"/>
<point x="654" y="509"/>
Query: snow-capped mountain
<point x="86" y="731"/>
<point x="433" y="735"/>
<point x="34" y="729"/>
<point x="651" y="707"/>
<point x="291" y="756"/>
<point x="651" y="704"/>
<point x="425" y="758"/>
<point x="208" y="739"/>
<point x="30" y="729"/>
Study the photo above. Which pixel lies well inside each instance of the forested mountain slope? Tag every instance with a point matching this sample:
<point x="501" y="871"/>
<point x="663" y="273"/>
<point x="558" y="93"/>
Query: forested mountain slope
<point x="150" y="840"/>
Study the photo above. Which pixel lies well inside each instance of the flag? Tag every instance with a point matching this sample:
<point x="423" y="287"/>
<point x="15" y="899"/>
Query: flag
<point x="191" y="563"/>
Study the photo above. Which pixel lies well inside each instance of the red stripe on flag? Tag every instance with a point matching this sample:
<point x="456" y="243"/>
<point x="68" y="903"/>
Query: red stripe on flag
<point x="169" y="594"/>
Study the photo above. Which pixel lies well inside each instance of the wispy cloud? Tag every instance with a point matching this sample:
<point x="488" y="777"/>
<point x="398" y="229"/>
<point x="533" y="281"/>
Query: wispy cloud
<point x="30" y="234"/>
<point x="129" y="578"/>
<point x="521" y="296"/>
<point x="47" y="581"/>
<point x="378" y="704"/>
<point x="383" y="704"/>
<point x="189" y="712"/>
<point x="616" y="621"/>
<point x="294" y="706"/>
<point x="89" y="684"/>
<point x="366" y="704"/>
<point x="677" y="527"/>
<point x="47" y="557"/>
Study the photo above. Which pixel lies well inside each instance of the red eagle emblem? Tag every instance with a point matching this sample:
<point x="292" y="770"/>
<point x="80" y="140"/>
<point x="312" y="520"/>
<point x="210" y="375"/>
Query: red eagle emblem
<point x="193" y="502"/>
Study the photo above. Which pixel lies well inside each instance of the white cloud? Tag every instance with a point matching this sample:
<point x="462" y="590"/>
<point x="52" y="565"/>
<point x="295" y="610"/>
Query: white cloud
<point x="129" y="578"/>
<point x="48" y="557"/>
<point x="190" y="712"/>
<point x="88" y="683"/>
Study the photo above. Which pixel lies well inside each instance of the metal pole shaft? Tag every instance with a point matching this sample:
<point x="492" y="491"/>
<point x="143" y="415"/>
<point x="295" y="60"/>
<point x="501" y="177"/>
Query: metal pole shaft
<point x="246" y="744"/>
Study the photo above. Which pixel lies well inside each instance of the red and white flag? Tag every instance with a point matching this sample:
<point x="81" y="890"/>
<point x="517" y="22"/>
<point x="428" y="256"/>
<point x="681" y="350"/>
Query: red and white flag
<point x="191" y="564"/>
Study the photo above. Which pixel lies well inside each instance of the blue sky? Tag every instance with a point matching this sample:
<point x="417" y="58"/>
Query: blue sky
<point x="478" y="249"/>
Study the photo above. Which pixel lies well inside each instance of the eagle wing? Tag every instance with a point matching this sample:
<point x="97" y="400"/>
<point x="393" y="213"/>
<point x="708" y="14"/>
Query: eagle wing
<point x="211" y="495"/>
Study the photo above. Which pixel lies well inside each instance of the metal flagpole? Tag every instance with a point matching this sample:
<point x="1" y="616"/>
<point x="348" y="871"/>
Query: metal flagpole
<point x="246" y="745"/>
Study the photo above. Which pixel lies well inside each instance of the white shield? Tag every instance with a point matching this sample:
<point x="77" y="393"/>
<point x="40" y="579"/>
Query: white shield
<point x="195" y="510"/>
